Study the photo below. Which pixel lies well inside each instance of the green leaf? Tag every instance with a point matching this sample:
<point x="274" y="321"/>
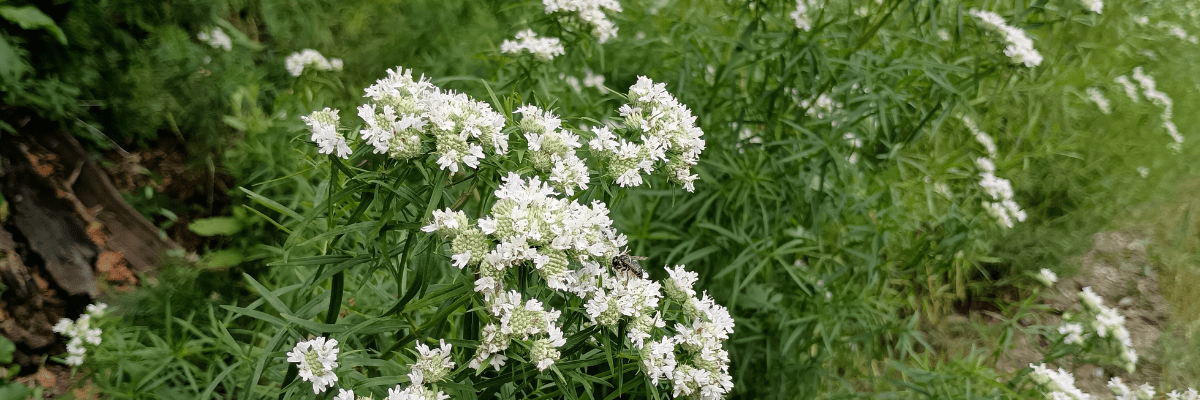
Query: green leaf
<point x="13" y="66"/>
<point x="216" y="226"/>
<point x="6" y="350"/>
<point x="29" y="17"/>
<point x="16" y="391"/>
<point x="222" y="258"/>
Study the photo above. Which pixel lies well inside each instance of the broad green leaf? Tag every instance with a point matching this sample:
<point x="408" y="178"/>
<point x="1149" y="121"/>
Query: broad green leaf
<point x="29" y="17"/>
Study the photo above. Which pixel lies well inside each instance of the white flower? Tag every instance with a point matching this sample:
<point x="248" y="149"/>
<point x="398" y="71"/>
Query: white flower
<point x="433" y="365"/>
<point x="316" y="360"/>
<point x="415" y="392"/>
<point x="307" y="58"/>
<point x="1143" y="171"/>
<point x="460" y="260"/>
<point x="1020" y="48"/>
<point x="344" y="394"/>
<point x="80" y="331"/>
<point x="669" y="136"/>
<point x="592" y="80"/>
<point x="324" y="127"/>
<point x="679" y="286"/>
<point x="1072" y="333"/>
<point x="527" y="41"/>
<point x="1095" y="6"/>
<point x="658" y="359"/>
<point x="591" y="12"/>
<point x="1097" y="97"/>
<point x="1161" y="99"/>
<point x="800" y="16"/>
<point x="446" y="222"/>
<point x="1047" y="277"/>
<point x="1090" y="299"/>
<point x="216" y="38"/>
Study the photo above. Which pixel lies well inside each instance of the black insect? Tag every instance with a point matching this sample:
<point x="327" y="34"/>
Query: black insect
<point x="628" y="265"/>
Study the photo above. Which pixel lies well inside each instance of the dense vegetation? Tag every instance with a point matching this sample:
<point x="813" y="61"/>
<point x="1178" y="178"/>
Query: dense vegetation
<point x="868" y="170"/>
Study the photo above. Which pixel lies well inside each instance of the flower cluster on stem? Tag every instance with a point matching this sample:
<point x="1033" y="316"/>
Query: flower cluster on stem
<point x="1019" y="46"/>
<point x="528" y="41"/>
<point x="324" y="127"/>
<point x="80" y="331"/>
<point x="1102" y="325"/>
<point x="1162" y="100"/>
<point x="1001" y="205"/>
<point x="316" y="359"/>
<point x="216" y="38"/>
<point x="670" y="138"/>
<point x="591" y="12"/>
<point x="800" y="16"/>
<point x="552" y="149"/>
<point x="1096" y="96"/>
<point x="404" y="111"/>
<point x="312" y="59"/>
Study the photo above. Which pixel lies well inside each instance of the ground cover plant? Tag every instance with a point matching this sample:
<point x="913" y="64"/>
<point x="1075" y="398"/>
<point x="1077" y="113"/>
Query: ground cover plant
<point x="603" y="199"/>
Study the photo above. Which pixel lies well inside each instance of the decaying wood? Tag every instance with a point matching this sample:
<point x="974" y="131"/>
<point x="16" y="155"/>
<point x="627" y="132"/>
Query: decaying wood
<point x="125" y="229"/>
<point x="48" y="222"/>
<point x="28" y="308"/>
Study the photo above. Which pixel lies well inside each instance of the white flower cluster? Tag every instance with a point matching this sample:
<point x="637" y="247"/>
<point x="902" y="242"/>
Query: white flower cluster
<point x="523" y="320"/>
<point x="1122" y="392"/>
<point x="1178" y="31"/>
<point x="1002" y="206"/>
<point x="800" y="16"/>
<point x="701" y="369"/>
<point x="324" y="127"/>
<point x="432" y="366"/>
<point x="590" y="11"/>
<point x="590" y="80"/>
<point x="1072" y="332"/>
<point x="821" y="107"/>
<point x="1096" y="96"/>
<point x="216" y="38"/>
<point x="1020" y="48"/>
<point x="1095" y="6"/>
<point x="1059" y="385"/>
<point x="309" y="58"/>
<point x="402" y="111"/>
<point x="1162" y="100"/>
<point x="80" y="331"/>
<point x="1106" y="324"/>
<point x="533" y="225"/>
<point x="527" y="40"/>
<point x="1131" y="90"/>
<point x="635" y="299"/>
<point x="316" y="360"/>
<point x="552" y="149"/>
<point x="1189" y="394"/>
<point x="1046" y="277"/>
<point x="669" y="135"/>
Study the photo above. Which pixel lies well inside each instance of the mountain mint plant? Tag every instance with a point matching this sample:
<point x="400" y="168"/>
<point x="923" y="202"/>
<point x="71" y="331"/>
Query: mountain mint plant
<point x="535" y="289"/>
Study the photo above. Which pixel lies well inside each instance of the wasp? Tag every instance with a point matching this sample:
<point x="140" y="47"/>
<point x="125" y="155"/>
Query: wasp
<point x="627" y="264"/>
